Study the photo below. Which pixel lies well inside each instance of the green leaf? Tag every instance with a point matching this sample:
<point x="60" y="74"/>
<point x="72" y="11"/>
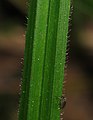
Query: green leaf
<point x="45" y="53"/>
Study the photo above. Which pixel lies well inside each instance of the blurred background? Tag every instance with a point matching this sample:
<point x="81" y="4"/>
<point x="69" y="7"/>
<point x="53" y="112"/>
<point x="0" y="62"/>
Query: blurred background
<point x="12" y="41"/>
<point x="78" y="75"/>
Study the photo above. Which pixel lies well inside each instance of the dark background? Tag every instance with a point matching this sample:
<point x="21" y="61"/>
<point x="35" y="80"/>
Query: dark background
<point x="12" y="40"/>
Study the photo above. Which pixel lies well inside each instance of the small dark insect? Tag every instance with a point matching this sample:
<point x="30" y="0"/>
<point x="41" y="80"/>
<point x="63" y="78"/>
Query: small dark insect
<point x="62" y="102"/>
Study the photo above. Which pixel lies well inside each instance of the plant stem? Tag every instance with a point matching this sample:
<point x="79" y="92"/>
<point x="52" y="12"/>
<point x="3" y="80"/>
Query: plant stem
<point x="45" y="53"/>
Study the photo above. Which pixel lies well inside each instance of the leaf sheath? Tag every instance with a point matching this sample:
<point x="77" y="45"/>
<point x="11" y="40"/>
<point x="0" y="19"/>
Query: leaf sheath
<point x="44" y="62"/>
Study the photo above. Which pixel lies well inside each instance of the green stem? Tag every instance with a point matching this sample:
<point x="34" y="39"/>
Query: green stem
<point x="45" y="53"/>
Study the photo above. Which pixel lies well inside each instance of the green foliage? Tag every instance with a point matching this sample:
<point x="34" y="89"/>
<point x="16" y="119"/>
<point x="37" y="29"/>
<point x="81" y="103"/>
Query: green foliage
<point x="45" y="53"/>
